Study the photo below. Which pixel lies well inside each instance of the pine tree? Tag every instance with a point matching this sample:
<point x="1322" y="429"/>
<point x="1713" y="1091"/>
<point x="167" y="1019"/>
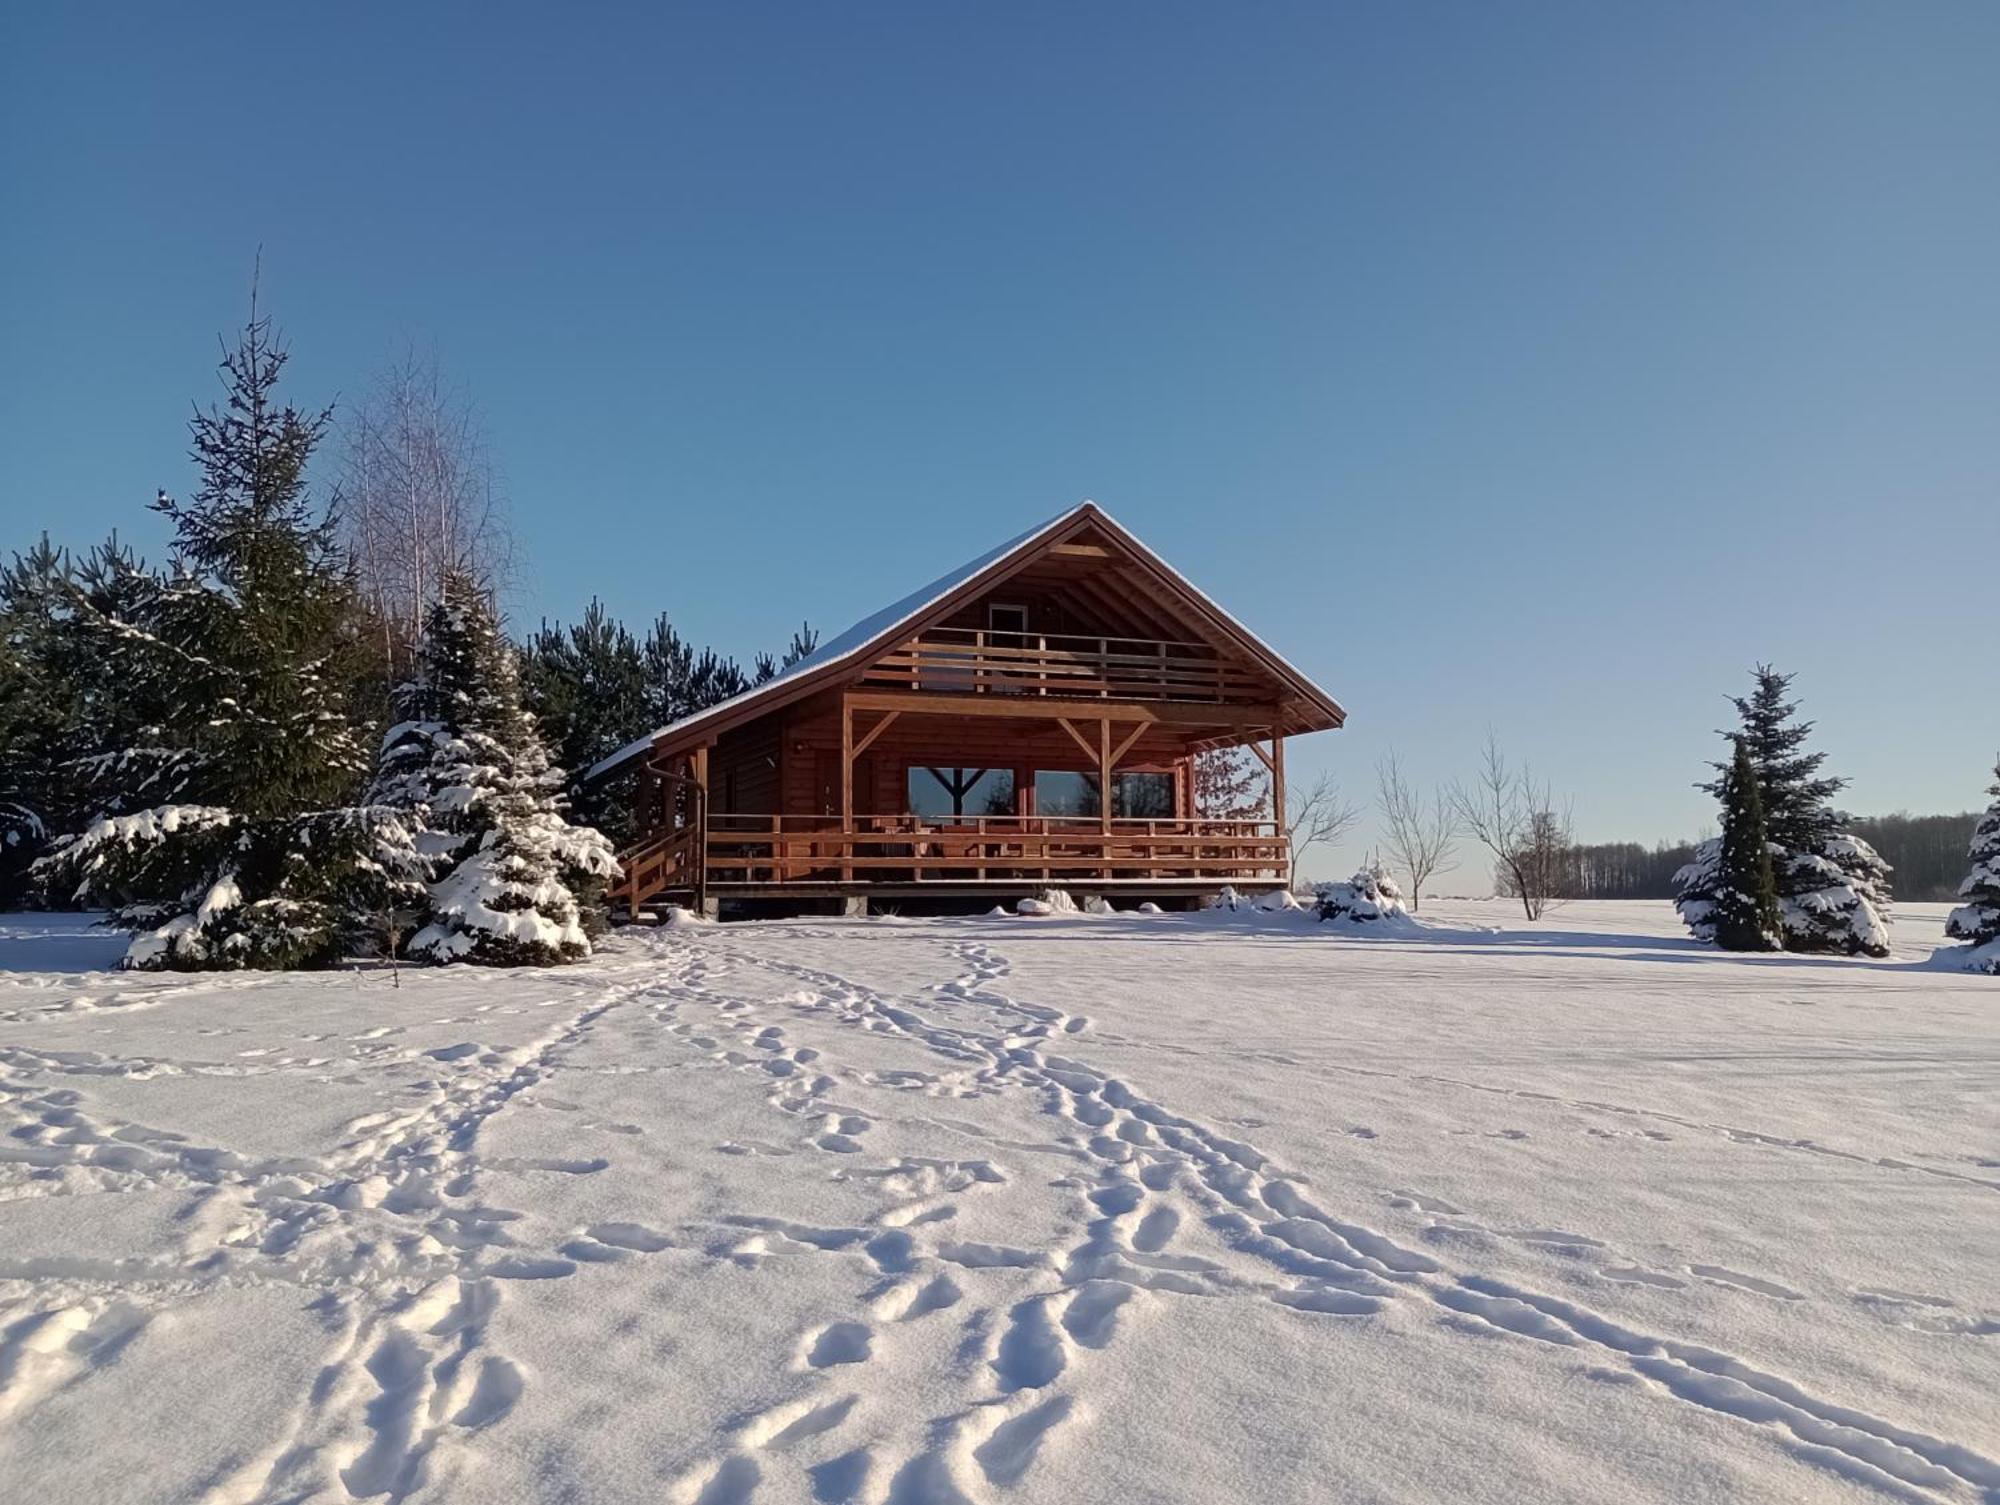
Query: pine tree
<point x="71" y="737"/>
<point x="768" y="668"/>
<point x="1977" y="920"/>
<point x="22" y="827"/>
<point x="1746" y="903"/>
<point x="1797" y="800"/>
<point x="228" y="756"/>
<point x="595" y="688"/>
<point x="1833" y="889"/>
<point x="587" y="688"/>
<point x="466" y="761"/>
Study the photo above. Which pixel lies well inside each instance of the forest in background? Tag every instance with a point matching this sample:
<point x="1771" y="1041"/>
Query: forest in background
<point x="1925" y="852"/>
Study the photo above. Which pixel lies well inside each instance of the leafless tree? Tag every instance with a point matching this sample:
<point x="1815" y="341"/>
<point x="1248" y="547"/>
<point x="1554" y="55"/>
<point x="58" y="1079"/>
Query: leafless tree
<point x="1314" y="815"/>
<point x="420" y="496"/>
<point x="1419" y="834"/>
<point x="1228" y="785"/>
<point x="1516" y="818"/>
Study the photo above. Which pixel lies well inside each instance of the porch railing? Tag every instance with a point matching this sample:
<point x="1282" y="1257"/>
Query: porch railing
<point x="753" y="849"/>
<point x="664" y="862"/>
<point x="978" y="661"/>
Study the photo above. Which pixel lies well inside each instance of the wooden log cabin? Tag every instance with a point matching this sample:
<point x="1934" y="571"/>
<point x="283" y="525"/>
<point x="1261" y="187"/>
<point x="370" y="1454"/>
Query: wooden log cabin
<point x="1029" y="721"/>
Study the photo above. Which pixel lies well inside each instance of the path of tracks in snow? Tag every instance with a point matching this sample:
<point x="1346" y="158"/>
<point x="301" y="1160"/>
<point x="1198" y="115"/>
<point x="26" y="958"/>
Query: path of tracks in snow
<point x="391" y="1239"/>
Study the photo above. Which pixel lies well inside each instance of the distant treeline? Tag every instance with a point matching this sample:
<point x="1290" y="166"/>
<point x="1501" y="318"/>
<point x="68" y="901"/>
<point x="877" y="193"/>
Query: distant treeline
<point x="1926" y="852"/>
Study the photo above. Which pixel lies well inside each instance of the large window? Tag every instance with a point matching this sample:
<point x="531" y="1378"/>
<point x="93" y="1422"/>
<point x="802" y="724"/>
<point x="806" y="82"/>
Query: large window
<point x="1134" y="796"/>
<point x="945" y="793"/>
<point x="1142" y="796"/>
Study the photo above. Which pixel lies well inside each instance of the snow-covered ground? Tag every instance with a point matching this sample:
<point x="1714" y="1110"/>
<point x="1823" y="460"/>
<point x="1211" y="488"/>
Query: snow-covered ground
<point x="1215" y="1208"/>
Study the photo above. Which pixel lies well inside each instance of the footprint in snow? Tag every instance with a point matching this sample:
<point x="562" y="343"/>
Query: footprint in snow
<point x="840" y="1343"/>
<point x="1718" y="1275"/>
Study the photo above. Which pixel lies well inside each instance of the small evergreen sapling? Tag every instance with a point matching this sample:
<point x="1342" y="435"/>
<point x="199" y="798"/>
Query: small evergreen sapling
<point x="1977" y="920"/>
<point x="1370" y="894"/>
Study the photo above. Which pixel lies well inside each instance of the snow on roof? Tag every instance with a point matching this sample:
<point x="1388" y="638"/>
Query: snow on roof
<point x="846" y="644"/>
<point x="871" y="628"/>
<point x="1224" y="613"/>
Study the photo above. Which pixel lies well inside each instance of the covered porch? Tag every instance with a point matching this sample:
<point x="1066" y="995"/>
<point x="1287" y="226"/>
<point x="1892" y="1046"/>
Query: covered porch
<point x="912" y="794"/>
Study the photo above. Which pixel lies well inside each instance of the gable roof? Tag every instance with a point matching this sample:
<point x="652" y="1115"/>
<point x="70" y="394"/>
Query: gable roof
<point x="882" y="630"/>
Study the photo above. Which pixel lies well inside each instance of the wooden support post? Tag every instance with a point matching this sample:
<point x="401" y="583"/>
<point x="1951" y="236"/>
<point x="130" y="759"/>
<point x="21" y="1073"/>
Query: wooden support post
<point x="1278" y="798"/>
<point x="1104" y="792"/>
<point x="846" y="790"/>
<point x="698" y="775"/>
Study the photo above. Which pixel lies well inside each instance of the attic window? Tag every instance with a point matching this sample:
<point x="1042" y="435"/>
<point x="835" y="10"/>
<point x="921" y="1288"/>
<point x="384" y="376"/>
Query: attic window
<point x="1006" y="618"/>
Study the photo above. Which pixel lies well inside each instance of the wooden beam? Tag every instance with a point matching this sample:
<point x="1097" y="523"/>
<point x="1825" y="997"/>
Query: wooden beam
<point x="1118" y="753"/>
<point x="1079" y="738"/>
<point x="1242" y="718"/>
<point x="1263" y="757"/>
<point x="1104" y="784"/>
<point x="1080" y="551"/>
<point x="875" y="731"/>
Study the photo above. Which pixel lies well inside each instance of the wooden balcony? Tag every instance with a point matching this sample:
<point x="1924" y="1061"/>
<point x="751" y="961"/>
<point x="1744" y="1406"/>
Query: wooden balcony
<point x="776" y="854"/>
<point x="974" y="661"/>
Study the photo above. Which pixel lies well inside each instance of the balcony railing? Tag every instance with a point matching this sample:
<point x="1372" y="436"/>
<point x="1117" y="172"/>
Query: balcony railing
<point x="976" y="661"/>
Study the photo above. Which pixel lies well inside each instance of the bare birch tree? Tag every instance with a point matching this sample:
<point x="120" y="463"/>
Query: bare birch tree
<point x="1314" y="816"/>
<point x="1516" y="818"/>
<point x="1419" y="834"/>
<point x="420" y="497"/>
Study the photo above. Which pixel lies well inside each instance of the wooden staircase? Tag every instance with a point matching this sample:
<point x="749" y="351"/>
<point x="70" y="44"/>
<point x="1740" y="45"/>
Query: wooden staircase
<point x="665" y="866"/>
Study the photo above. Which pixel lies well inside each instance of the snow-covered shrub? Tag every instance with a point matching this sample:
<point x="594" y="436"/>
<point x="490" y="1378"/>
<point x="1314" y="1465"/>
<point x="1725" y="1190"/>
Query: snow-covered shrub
<point x="1278" y="901"/>
<point x="1051" y="901"/>
<point x="1835" y="898"/>
<point x="1978" y="919"/>
<point x="510" y="881"/>
<point x="1369" y="895"/>
<point x="205" y="888"/>
<point x="1099" y="905"/>
<point x="1224" y="898"/>
<point x="1695" y="887"/>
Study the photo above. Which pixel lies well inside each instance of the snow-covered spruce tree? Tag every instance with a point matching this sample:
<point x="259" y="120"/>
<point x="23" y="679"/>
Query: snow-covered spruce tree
<point x="511" y="882"/>
<point x="1977" y="920"/>
<point x="1745" y="916"/>
<point x="241" y="660"/>
<point x="1833" y="890"/>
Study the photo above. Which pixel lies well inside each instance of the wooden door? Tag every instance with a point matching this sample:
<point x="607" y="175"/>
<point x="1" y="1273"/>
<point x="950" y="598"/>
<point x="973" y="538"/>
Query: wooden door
<point x="826" y="783"/>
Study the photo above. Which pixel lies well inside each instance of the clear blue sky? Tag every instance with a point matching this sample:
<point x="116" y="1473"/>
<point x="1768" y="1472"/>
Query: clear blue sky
<point x="1538" y="366"/>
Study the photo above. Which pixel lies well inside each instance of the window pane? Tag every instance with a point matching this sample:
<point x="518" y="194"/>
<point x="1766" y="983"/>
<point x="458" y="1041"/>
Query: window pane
<point x="1142" y="796"/>
<point x="1062" y="793"/>
<point x="947" y="792"/>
